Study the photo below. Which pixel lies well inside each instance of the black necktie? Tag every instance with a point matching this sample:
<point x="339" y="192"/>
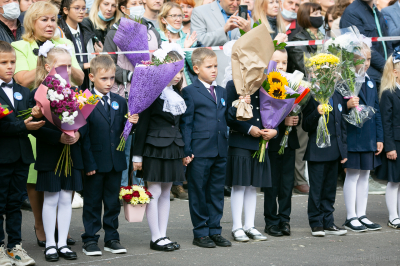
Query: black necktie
<point x="6" y="85"/>
<point x="106" y="105"/>
<point x="79" y="43"/>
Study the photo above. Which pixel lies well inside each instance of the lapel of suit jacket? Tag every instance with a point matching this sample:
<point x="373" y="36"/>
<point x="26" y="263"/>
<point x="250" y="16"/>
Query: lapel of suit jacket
<point x="217" y="13"/>
<point x="203" y="90"/>
<point x="4" y="96"/>
<point x="219" y="95"/>
<point x="361" y="94"/>
<point x="16" y="88"/>
<point x="100" y="107"/>
<point x="396" y="10"/>
<point x="397" y="91"/>
<point x="112" y="111"/>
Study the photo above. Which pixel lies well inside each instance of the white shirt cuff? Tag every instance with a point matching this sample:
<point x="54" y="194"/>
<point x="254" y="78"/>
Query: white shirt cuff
<point x="137" y="159"/>
<point x="248" y="132"/>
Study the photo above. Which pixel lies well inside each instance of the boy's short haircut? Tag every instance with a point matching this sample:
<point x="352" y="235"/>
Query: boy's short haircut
<point x="101" y="62"/>
<point x="5" y="47"/>
<point x="200" y="54"/>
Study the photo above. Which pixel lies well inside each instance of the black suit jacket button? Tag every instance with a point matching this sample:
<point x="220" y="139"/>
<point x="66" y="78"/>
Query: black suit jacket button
<point x="112" y="144"/>
<point x="172" y="126"/>
<point x="219" y="120"/>
<point x="219" y="132"/>
<point x="112" y="131"/>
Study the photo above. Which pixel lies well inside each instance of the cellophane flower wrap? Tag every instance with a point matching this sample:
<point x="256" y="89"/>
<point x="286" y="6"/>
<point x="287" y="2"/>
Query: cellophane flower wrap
<point x="276" y="102"/>
<point x="4" y="111"/>
<point x="60" y="107"/>
<point x="347" y="44"/>
<point x="135" y="194"/>
<point x="322" y="71"/>
<point x="299" y="104"/>
<point x="132" y="36"/>
<point x="148" y="81"/>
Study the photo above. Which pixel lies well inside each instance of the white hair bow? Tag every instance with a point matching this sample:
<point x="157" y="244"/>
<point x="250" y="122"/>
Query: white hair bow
<point x="48" y="45"/>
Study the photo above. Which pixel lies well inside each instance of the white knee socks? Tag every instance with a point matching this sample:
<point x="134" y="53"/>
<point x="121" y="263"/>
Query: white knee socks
<point x="61" y="199"/>
<point x="393" y="201"/>
<point x="247" y="197"/>
<point x="355" y="191"/>
<point x="157" y="211"/>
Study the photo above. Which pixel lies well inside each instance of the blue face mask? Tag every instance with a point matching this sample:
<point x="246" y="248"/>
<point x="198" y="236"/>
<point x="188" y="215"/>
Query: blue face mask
<point x="103" y="18"/>
<point x="172" y="29"/>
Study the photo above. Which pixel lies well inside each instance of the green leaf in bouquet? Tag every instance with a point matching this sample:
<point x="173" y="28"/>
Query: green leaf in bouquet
<point x="242" y="32"/>
<point x="294" y="95"/>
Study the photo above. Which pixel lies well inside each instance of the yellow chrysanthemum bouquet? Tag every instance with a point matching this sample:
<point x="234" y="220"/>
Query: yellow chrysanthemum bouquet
<point x="321" y="70"/>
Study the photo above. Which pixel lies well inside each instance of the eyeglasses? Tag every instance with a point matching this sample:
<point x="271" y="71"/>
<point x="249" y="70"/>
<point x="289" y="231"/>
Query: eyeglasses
<point x="175" y="16"/>
<point x="78" y="9"/>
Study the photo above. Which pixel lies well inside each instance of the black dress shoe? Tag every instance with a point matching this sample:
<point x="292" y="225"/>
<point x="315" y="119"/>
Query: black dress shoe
<point x="26" y="205"/>
<point x="204" y="242"/>
<point x="273" y="230"/>
<point x="285" y="228"/>
<point x="227" y="191"/>
<point x="51" y="257"/>
<point x="370" y="227"/>
<point x="69" y="255"/>
<point x="175" y="244"/>
<point x="220" y="241"/>
<point x="39" y="242"/>
<point x="71" y="241"/>
<point x="167" y="247"/>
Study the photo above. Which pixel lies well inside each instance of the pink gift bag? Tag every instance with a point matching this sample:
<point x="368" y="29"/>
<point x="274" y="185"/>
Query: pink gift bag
<point x="134" y="213"/>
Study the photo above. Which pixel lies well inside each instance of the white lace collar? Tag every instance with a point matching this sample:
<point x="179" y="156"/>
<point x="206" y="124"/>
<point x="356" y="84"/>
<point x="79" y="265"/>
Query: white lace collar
<point x="173" y="102"/>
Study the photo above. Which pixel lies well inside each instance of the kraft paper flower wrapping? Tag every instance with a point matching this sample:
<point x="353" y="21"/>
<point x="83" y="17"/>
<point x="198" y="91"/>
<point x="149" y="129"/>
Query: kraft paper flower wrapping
<point x="132" y="36"/>
<point x="250" y="57"/>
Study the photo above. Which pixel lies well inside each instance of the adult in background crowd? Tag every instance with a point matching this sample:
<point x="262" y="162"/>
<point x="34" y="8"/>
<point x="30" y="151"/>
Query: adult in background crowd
<point x="289" y="10"/>
<point x="217" y="22"/>
<point x="102" y="16"/>
<point x="328" y="20"/>
<point x="25" y="4"/>
<point x="40" y="25"/>
<point x="338" y="12"/>
<point x="152" y="8"/>
<point x="325" y="4"/>
<point x="392" y="16"/>
<point x="269" y="14"/>
<point x="11" y="28"/>
<point x="249" y="4"/>
<point x="187" y="8"/>
<point x="370" y="22"/>
<point x="381" y="4"/>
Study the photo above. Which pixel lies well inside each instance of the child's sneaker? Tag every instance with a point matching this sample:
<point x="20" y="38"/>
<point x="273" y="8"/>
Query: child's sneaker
<point x="19" y="257"/>
<point x="4" y="259"/>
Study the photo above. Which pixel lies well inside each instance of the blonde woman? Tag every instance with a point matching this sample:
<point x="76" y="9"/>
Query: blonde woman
<point x="40" y="25"/>
<point x="269" y="13"/>
<point x="103" y="14"/>
<point x="390" y="111"/>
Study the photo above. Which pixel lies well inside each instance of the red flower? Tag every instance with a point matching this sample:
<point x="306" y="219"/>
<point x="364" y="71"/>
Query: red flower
<point x="136" y="194"/>
<point x="127" y="197"/>
<point x="149" y="194"/>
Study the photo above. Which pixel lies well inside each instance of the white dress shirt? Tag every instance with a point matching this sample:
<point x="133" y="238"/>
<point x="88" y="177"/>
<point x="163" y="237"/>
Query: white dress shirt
<point x="8" y="91"/>
<point x="214" y="83"/>
<point x="101" y="95"/>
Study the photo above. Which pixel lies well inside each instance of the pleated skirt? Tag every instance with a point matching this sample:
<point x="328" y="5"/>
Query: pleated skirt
<point x="52" y="182"/>
<point x="163" y="164"/>
<point x="362" y="160"/>
<point x="390" y="169"/>
<point x="244" y="170"/>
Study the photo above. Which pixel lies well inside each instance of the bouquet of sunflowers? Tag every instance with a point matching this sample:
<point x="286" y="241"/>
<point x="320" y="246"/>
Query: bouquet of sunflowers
<point x="321" y="70"/>
<point x="276" y="102"/>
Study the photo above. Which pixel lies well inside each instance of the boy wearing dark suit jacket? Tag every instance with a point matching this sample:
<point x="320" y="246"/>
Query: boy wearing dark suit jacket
<point x="323" y="164"/>
<point x="15" y="158"/>
<point x="204" y="132"/>
<point x="103" y="163"/>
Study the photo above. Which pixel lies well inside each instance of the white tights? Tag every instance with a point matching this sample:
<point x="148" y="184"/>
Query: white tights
<point x="246" y="197"/>
<point x="355" y="191"/>
<point x="393" y="201"/>
<point x="52" y="200"/>
<point x="157" y="211"/>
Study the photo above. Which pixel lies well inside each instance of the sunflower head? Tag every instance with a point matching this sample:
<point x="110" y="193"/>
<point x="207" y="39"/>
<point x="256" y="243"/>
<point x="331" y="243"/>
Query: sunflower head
<point x="276" y="77"/>
<point x="277" y="91"/>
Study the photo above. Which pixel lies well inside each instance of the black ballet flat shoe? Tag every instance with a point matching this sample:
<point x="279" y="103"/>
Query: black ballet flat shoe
<point x="40" y="243"/>
<point x="51" y="257"/>
<point x="175" y="244"/>
<point x="69" y="255"/>
<point x="370" y="227"/>
<point x="167" y="247"/>
<point x="358" y="229"/>
<point x="71" y="241"/>
<point x="394" y="226"/>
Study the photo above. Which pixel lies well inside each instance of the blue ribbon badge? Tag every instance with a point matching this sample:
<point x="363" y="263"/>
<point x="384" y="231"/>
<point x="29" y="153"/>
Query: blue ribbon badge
<point x="115" y="105"/>
<point x="223" y="101"/>
<point x="339" y="106"/>
<point x="370" y="84"/>
<point x="18" y="96"/>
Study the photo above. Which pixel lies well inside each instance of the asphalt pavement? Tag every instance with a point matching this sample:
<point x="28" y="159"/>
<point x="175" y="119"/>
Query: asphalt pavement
<point x="369" y="248"/>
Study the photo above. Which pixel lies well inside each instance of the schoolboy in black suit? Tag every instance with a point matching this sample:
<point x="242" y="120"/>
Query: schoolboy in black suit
<point x="15" y="158"/>
<point x="323" y="164"/>
<point x="102" y="162"/>
<point x="204" y="132"/>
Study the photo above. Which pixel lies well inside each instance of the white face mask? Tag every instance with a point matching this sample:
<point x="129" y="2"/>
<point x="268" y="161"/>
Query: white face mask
<point x="288" y="15"/>
<point x="11" y="11"/>
<point x="136" y="12"/>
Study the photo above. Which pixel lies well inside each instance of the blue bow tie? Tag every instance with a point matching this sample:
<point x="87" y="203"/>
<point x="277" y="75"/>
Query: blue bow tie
<point x="396" y="55"/>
